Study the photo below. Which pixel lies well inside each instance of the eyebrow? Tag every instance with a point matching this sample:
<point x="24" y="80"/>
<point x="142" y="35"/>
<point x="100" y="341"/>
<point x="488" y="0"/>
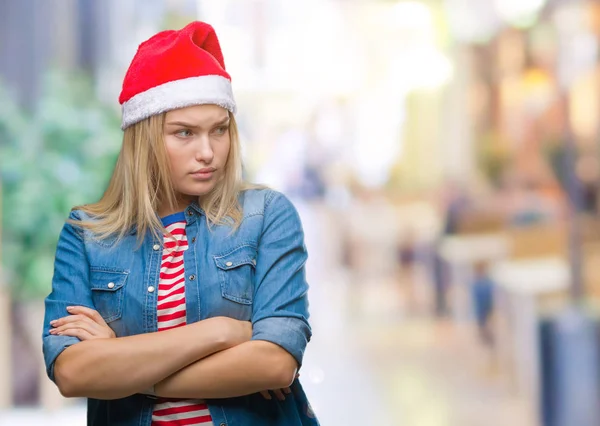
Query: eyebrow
<point x="185" y="124"/>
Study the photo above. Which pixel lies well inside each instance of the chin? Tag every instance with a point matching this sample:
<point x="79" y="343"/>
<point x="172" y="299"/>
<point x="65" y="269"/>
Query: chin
<point x="199" y="190"/>
<point x="196" y="188"/>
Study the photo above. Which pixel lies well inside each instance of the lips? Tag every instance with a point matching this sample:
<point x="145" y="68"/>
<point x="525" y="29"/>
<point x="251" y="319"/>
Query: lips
<point x="203" y="174"/>
<point x="205" y="170"/>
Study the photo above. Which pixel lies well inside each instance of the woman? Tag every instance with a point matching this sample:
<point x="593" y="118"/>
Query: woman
<point x="180" y="297"/>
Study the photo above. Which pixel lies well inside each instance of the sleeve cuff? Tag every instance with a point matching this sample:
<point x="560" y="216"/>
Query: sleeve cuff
<point x="53" y="347"/>
<point x="292" y="334"/>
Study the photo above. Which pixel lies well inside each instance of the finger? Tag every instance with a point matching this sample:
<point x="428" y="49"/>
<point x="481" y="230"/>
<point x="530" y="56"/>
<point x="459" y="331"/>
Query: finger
<point x="88" y="312"/>
<point x="77" y="319"/>
<point x="89" y="326"/>
<point x="70" y="319"/>
<point x="287" y="391"/>
<point x="80" y="333"/>
<point x="75" y="325"/>
<point x="99" y="330"/>
<point x="266" y="395"/>
<point x="280" y="396"/>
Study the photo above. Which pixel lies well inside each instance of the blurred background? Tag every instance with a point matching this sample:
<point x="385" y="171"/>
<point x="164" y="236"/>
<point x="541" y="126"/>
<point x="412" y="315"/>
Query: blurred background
<point x="444" y="157"/>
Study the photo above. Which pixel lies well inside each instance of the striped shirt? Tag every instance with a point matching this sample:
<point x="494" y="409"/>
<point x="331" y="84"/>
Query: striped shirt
<point x="171" y="314"/>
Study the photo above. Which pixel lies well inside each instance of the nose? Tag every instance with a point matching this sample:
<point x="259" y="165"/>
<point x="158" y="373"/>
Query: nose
<point x="204" y="150"/>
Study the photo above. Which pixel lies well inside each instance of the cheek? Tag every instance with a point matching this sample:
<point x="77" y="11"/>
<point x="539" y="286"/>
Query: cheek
<point x="176" y="158"/>
<point x="222" y="151"/>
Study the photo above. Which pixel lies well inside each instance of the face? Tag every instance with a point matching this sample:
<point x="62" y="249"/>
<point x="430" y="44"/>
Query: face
<point x="197" y="143"/>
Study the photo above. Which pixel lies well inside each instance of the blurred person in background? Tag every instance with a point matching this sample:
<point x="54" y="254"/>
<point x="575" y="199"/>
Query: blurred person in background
<point x="455" y="204"/>
<point x="482" y="293"/>
<point x="407" y="253"/>
<point x="180" y="297"/>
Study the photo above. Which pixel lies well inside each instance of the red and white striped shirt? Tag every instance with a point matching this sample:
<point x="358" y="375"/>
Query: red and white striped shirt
<point x="172" y="314"/>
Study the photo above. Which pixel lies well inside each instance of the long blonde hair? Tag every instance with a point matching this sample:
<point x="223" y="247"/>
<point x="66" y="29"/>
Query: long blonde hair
<point x="141" y="183"/>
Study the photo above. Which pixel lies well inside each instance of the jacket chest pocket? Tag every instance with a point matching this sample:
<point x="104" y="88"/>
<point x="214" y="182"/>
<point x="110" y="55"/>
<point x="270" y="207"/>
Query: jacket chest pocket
<point x="236" y="273"/>
<point x="108" y="292"/>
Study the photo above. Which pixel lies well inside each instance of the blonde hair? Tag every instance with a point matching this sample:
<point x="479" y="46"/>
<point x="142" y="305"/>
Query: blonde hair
<point x="141" y="183"/>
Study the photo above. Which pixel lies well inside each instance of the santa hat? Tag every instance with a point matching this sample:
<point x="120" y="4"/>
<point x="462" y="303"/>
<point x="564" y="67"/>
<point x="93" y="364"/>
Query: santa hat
<point x="176" y="69"/>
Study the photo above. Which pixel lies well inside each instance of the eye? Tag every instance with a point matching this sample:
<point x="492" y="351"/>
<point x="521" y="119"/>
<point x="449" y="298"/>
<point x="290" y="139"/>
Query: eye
<point x="184" y="133"/>
<point x="221" y="130"/>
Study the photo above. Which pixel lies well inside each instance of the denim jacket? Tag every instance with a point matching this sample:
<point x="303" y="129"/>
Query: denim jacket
<point x="255" y="273"/>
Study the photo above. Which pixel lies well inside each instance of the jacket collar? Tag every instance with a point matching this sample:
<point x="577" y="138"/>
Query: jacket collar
<point x="191" y="212"/>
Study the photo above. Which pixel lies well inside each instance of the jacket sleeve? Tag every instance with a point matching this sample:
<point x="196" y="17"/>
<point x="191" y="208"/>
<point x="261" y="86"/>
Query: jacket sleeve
<point x="70" y="287"/>
<point x="280" y="312"/>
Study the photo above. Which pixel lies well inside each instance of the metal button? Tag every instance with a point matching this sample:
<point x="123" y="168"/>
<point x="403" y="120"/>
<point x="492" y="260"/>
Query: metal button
<point x="229" y="264"/>
<point x="222" y="424"/>
<point x="151" y="289"/>
<point x="111" y="285"/>
<point x="193" y="239"/>
<point x="192" y="277"/>
<point x="155" y="247"/>
<point x="190" y="212"/>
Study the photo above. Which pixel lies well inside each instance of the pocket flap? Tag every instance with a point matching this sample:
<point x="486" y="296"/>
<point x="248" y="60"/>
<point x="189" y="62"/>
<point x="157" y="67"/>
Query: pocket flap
<point x="244" y="255"/>
<point x="107" y="280"/>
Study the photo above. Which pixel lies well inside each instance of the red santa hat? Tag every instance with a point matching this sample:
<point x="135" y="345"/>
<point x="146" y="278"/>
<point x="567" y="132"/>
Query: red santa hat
<point x="176" y="69"/>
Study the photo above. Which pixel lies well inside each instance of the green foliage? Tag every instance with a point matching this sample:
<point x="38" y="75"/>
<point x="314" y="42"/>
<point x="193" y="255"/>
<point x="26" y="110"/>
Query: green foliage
<point x="51" y="159"/>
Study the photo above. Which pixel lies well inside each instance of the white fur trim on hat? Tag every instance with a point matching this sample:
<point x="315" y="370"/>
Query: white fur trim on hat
<point x="203" y="90"/>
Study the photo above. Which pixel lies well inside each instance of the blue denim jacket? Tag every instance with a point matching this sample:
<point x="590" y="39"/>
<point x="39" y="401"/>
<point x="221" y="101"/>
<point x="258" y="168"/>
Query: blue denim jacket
<point x="255" y="273"/>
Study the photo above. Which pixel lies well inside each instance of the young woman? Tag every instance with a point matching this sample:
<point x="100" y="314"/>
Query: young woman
<point x="180" y="297"/>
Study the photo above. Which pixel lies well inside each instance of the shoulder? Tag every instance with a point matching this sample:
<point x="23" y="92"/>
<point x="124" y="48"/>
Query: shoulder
<point x="265" y="201"/>
<point x="79" y="215"/>
<point x="72" y="223"/>
<point x="82" y="223"/>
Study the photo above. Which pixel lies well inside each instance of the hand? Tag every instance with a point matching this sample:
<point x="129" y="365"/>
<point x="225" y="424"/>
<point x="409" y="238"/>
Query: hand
<point x="83" y="323"/>
<point x="279" y="393"/>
